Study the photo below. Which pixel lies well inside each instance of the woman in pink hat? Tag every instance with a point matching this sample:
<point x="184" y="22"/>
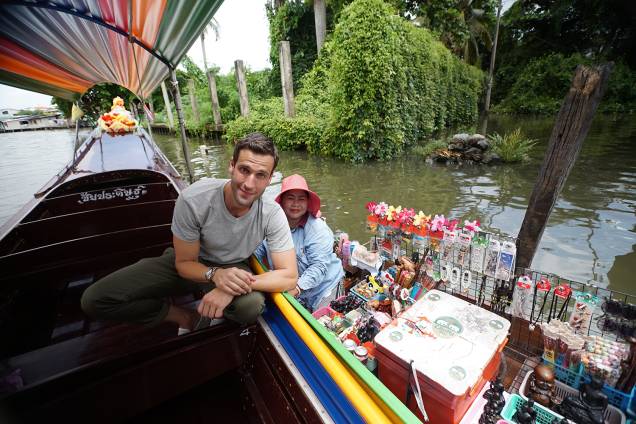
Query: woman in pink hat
<point x="319" y="269"/>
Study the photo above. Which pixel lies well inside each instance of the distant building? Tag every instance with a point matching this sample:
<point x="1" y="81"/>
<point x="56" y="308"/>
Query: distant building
<point x="34" y="122"/>
<point x="8" y="113"/>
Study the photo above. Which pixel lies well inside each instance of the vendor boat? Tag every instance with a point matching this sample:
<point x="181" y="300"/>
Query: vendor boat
<point x="110" y="206"/>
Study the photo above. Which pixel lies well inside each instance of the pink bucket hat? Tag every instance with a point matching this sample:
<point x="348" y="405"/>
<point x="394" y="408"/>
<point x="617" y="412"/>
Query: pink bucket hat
<point x="297" y="182"/>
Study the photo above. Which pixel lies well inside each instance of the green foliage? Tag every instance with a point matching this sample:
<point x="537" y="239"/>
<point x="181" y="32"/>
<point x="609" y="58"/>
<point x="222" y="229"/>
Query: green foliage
<point x="512" y="147"/>
<point x="28" y="112"/>
<point x="390" y="83"/>
<point x="542" y="85"/>
<point x="532" y="30"/>
<point x="464" y="26"/>
<point x="429" y="147"/>
<point x="379" y="85"/>
<point x="303" y="131"/>
<point x="96" y="100"/>
<point x="292" y="21"/>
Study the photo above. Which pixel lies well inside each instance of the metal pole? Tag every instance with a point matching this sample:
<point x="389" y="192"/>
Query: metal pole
<point x="184" y="139"/>
<point x="492" y="60"/>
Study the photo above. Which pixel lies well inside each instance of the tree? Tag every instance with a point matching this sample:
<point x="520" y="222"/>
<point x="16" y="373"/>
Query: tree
<point x="464" y="26"/>
<point x="96" y="100"/>
<point x="534" y="29"/>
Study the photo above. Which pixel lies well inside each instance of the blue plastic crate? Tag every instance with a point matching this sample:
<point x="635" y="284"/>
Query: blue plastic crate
<point x="566" y="375"/>
<point x="631" y="409"/>
<point x="544" y="415"/>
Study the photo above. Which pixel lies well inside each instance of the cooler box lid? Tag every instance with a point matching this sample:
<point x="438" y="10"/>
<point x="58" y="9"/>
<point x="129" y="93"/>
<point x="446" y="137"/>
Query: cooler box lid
<point x="450" y="340"/>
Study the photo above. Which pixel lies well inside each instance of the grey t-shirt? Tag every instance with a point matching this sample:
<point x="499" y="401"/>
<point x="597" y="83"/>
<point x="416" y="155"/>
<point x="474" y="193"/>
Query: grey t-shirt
<point x="200" y="214"/>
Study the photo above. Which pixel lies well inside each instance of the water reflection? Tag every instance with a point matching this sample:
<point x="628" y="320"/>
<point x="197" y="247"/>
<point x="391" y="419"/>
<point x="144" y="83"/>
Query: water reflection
<point x="590" y="235"/>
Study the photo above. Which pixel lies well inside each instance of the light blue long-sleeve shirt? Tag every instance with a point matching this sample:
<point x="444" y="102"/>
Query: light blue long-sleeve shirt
<point x="319" y="268"/>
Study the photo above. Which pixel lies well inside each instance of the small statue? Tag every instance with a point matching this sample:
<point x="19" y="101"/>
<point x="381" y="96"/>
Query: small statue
<point x="495" y="393"/>
<point x="590" y="405"/>
<point x="495" y="403"/>
<point x="542" y="385"/>
<point x="526" y="414"/>
<point x="489" y="416"/>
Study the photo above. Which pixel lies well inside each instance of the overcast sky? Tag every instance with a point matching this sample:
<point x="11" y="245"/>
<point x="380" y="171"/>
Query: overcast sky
<point x="243" y="34"/>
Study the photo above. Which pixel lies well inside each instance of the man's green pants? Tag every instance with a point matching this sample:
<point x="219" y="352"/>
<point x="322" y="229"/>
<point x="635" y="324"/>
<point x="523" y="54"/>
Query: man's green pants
<point x="140" y="293"/>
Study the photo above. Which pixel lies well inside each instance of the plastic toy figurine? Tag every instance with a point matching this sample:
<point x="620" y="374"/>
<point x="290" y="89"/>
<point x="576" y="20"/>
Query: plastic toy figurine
<point x="374" y="286"/>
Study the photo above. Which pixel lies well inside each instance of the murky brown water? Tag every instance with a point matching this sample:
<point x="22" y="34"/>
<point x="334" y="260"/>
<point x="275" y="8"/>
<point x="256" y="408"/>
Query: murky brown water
<point x="591" y="235"/>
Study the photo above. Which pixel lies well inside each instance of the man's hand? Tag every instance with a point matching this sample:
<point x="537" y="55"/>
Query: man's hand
<point x="214" y="303"/>
<point x="233" y="281"/>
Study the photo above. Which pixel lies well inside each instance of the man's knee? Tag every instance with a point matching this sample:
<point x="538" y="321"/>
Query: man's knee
<point x="247" y="308"/>
<point x="91" y="300"/>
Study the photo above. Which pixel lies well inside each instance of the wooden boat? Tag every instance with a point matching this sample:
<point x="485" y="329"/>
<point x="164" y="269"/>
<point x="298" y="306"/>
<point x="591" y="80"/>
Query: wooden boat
<point x="110" y="206"/>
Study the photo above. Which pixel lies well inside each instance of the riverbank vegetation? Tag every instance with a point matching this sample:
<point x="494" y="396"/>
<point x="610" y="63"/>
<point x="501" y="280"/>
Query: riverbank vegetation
<point x="393" y="73"/>
<point x="379" y="85"/>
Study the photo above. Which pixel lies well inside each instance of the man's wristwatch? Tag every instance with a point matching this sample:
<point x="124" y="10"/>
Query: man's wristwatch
<point x="209" y="274"/>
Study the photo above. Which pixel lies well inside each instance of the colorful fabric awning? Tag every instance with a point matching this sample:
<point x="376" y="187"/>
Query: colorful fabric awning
<point x="63" y="47"/>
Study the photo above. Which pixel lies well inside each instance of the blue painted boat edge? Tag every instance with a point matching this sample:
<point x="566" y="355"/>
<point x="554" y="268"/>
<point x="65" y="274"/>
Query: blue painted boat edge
<point x="325" y="389"/>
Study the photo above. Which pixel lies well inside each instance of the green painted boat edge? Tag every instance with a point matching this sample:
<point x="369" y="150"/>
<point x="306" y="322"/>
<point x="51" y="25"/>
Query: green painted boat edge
<point x="382" y="392"/>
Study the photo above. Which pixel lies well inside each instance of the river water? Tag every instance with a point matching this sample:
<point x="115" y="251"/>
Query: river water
<point x="591" y="234"/>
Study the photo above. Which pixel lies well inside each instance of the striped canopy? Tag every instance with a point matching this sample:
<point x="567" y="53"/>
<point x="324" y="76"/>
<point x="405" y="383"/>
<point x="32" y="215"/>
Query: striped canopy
<point x="63" y="47"/>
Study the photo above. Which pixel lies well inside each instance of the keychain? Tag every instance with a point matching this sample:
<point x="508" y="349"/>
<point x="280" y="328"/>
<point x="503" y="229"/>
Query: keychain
<point x="492" y="257"/>
<point x="561" y="291"/>
<point x="478" y="253"/>
<point x="464" y="240"/>
<point x="455" y="279"/>
<point x="544" y="287"/>
<point x="447" y="244"/>
<point x="466" y="281"/>
<point x="506" y="262"/>
<point x="522" y="295"/>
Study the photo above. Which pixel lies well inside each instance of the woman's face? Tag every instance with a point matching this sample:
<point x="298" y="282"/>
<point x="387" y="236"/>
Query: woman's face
<point x="294" y="203"/>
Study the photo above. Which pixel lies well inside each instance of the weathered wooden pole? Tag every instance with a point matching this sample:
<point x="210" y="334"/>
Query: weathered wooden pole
<point x="286" y="79"/>
<point x="193" y="101"/>
<point x="570" y="129"/>
<point x="241" y="84"/>
<point x="166" y="101"/>
<point x="184" y="139"/>
<point x="320" y="20"/>
<point x="491" y="71"/>
<point x="216" y="109"/>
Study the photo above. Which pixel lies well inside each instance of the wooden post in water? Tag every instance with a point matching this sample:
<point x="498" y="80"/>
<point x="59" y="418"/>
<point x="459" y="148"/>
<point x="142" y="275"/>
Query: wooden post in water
<point x="320" y="20"/>
<point x="166" y="101"/>
<point x="286" y="79"/>
<point x="193" y="101"/>
<point x="184" y="139"/>
<point x="491" y="70"/>
<point x="570" y="129"/>
<point x="241" y="84"/>
<point x="216" y="109"/>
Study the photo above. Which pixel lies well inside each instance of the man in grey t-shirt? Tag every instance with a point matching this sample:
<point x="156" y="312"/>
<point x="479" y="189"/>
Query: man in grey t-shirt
<point x="216" y="226"/>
